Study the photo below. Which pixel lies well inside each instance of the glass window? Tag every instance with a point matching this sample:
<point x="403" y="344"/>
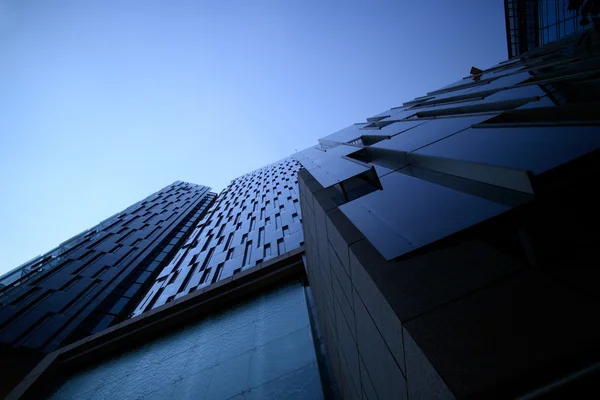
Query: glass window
<point x="551" y="11"/>
<point x="544" y="36"/>
<point x="256" y="348"/>
<point x="570" y="26"/>
<point x="542" y="13"/>
<point x="132" y="290"/>
<point x="103" y="324"/>
<point x="119" y="305"/>
<point x="143" y="276"/>
<point x="552" y="33"/>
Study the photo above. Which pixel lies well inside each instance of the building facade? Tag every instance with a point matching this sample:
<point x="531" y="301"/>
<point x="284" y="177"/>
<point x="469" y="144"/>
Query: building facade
<point x="445" y="249"/>
<point x="94" y="279"/>
<point x="450" y="242"/>
<point x="534" y="23"/>
<point x="256" y="218"/>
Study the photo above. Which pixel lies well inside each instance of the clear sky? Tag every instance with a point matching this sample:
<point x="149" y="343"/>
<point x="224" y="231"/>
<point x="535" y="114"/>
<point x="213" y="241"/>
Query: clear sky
<point x="105" y="102"/>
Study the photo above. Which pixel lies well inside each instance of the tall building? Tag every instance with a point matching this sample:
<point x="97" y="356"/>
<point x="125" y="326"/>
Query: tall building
<point x="256" y="218"/>
<point x="94" y="279"/>
<point x="451" y="242"/>
<point x="447" y="250"/>
<point x="534" y="23"/>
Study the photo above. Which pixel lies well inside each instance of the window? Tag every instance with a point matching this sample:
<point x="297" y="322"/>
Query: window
<point x="229" y="254"/>
<point x="280" y="246"/>
<point x="247" y="253"/>
<point x="217" y="274"/>
<point x="207" y="259"/>
<point x="261" y="236"/>
<point x="208" y="240"/>
<point x="229" y="240"/>
<point x="277" y="220"/>
<point x="205" y="275"/>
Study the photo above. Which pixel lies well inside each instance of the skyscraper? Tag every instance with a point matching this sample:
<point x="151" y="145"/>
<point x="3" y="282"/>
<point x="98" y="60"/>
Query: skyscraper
<point x="256" y="218"/>
<point x="450" y="241"/>
<point x="447" y="251"/>
<point x="94" y="279"/>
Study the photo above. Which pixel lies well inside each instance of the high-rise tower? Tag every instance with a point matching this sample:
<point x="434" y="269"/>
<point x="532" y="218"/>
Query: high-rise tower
<point x="256" y="218"/>
<point x="94" y="279"/>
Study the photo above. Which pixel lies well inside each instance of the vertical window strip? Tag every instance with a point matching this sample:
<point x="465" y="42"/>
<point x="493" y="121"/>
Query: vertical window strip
<point x="247" y="253"/>
<point x="217" y="274"/>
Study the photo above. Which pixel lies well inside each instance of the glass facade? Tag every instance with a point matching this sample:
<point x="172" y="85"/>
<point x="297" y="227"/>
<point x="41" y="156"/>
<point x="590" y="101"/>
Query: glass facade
<point x="555" y="21"/>
<point x="259" y="349"/>
<point x="93" y="280"/>
<point x="533" y="23"/>
<point x="256" y="218"/>
<point x="471" y="235"/>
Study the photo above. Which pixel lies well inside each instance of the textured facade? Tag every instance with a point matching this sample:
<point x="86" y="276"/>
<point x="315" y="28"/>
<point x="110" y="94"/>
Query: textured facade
<point x="533" y="23"/>
<point x="94" y="279"/>
<point x="256" y="218"/>
<point x="451" y="242"/>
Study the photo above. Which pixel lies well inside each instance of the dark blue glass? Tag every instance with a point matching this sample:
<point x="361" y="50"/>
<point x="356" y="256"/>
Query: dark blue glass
<point x="409" y="213"/>
<point x="536" y="149"/>
<point x="257" y="346"/>
<point x="429" y="132"/>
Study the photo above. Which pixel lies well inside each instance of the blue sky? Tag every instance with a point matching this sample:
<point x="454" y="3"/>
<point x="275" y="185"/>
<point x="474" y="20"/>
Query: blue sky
<point x="105" y="102"/>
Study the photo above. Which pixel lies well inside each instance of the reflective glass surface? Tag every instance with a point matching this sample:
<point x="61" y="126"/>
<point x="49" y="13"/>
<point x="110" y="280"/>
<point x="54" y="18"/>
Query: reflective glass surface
<point x="555" y="20"/>
<point x="334" y="153"/>
<point x="430" y="132"/>
<point x="396" y="128"/>
<point x="542" y="102"/>
<point x="535" y="149"/>
<point x="346" y="134"/>
<point x="516" y="93"/>
<point x="508" y="81"/>
<point x="409" y="213"/>
<point x="261" y="348"/>
<point x="339" y="169"/>
<point x="460" y="92"/>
